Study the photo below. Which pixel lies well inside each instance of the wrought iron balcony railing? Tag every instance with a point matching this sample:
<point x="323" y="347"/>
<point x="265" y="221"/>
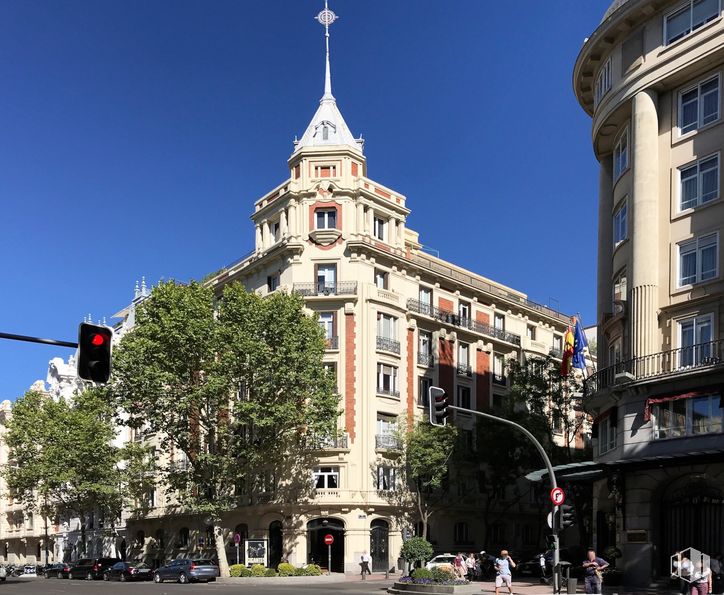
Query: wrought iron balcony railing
<point x="331" y="343"/>
<point x="465" y="370"/>
<point x="449" y="317"/>
<point x="664" y="363"/>
<point x="390" y="392"/>
<point x="425" y="359"/>
<point x="389" y="441"/>
<point x="556" y="353"/>
<point x="500" y="379"/>
<point x="331" y="442"/>
<point x="316" y="289"/>
<point x="387" y="344"/>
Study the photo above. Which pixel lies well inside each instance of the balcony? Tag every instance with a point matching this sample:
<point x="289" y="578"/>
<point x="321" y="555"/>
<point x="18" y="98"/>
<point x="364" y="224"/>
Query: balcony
<point x="388" y="392"/>
<point x="449" y="317"/>
<point x="387" y="344"/>
<point x="556" y="353"/>
<point x="657" y="365"/>
<point x="388" y="442"/>
<point x="339" y="442"/>
<point x="425" y="359"/>
<point x="465" y="370"/>
<point x="500" y="379"/>
<point x="331" y="343"/>
<point x="326" y="289"/>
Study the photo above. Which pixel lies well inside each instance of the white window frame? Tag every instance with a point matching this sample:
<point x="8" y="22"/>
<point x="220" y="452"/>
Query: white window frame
<point x="326" y="473"/>
<point x="382" y="279"/>
<point x="379" y="228"/>
<point x="603" y="83"/>
<point x="326" y="321"/>
<point x="386" y="326"/>
<point x="606" y="436"/>
<point x="464" y="310"/>
<point x="386" y="424"/>
<point x="328" y="219"/>
<point x="695" y="245"/>
<point x="424" y="342"/>
<point x="423" y="397"/>
<point x="530" y="331"/>
<point x="386" y="478"/>
<point x="499" y="321"/>
<point x="463" y="353"/>
<point x="424" y="295"/>
<point x="382" y="373"/>
<point x="619" y="287"/>
<point x="700" y="105"/>
<point x="699" y="349"/>
<point x="621" y="154"/>
<point x="699" y="177"/>
<point x="620" y="223"/>
<point x="688" y="429"/>
<point x="689" y="5"/>
<point x="466" y="403"/>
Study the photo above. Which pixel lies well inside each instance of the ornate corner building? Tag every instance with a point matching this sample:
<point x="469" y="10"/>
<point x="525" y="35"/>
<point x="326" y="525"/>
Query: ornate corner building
<point x="650" y="76"/>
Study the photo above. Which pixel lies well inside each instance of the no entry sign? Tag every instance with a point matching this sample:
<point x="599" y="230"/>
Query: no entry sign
<point x="558" y="496"/>
<point x="328" y="539"/>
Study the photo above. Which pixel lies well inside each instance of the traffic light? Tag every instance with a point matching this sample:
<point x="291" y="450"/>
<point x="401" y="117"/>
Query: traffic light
<point x="438" y="406"/>
<point x="94" y="352"/>
<point x="568" y="516"/>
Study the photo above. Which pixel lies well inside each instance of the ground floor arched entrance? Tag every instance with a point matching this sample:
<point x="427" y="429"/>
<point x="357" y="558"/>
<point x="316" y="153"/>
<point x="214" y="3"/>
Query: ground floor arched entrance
<point x="379" y="545"/>
<point x="276" y="543"/>
<point x="317" y="551"/>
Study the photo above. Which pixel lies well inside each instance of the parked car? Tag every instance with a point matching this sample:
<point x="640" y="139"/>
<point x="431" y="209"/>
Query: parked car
<point x="126" y="571"/>
<point x="186" y="571"/>
<point x="91" y="568"/>
<point x="59" y="570"/>
<point x="3" y="573"/>
<point x="443" y="560"/>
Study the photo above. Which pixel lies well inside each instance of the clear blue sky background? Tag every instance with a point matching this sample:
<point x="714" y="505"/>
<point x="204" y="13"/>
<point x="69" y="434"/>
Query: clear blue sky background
<point x="135" y="136"/>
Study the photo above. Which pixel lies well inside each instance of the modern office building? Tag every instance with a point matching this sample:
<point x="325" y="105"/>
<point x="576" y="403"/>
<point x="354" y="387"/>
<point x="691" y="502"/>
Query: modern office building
<point x="650" y="76"/>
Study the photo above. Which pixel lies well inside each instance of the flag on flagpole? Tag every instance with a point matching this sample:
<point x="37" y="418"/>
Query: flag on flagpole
<point x="568" y="345"/>
<point x="580" y="347"/>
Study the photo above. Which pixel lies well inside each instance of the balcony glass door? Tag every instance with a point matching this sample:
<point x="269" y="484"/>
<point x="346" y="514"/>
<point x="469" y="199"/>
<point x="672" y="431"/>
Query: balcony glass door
<point x="326" y="277"/>
<point x="695" y="337"/>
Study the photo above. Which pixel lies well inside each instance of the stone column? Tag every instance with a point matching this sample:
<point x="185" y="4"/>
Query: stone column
<point x="258" y="238"/>
<point x="645" y="228"/>
<point x="605" y="247"/>
<point x="265" y="239"/>
<point x="283" y="223"/>
<point x="401" y="233"/>
<point x="370" y="221"/>
<point x="360" y="222"/>
<point x="292" y="220"/>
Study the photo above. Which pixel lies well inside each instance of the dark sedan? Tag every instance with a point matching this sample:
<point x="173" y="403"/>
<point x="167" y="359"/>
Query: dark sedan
<point x="187" y="571"/>
<point x="126" y="571"/>
<point x="91" y="568"/>
<point x="59" y="570"/>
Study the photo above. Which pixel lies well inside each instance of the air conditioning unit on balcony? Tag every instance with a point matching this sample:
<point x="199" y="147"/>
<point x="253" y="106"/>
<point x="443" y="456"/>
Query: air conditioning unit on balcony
<point x="623" y="378"/>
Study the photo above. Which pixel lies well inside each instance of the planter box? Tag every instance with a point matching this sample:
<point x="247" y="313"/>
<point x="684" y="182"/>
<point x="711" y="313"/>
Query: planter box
<point x="432" y="589"/>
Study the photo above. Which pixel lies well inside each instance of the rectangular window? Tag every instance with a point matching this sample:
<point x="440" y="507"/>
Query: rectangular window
<point x="387" y="380"/>
<point x="688" y="18"/>
<point x="386" y="424"/>
<point x="326" y="478"/>
<point x="620" y="224"/>
<point x="423" y="397"/>
<point x="699" y="183"/>
<point x="326" y="277"/>
<point x="272" y="282"/>
<point x="687" y="417"/>
<point x="530" y="332"/>
<point x="620" y="288"/>
<point x="695" y="341"/>
<point x="326" y="321"/>
<point x="499" y="322"/>
<point x="461" y="534"/>
<point x="603" y="82"/>
<point x="464" y="311"/>
<point x="463" y="397"/>
<point x="498" y="368"/>
<point x="382" y="279"/>
<point x="386" y="478"/>
<point x="380" y="229"/>
<point x="326" y="218"/>
<point x="620" y="155"/>
<point x="325" y="171"/>
<point x="424" y="343"/>
<point x="614" y="351"/>
<point x="699" y="105"/>
<point x="606" y="435"/>
<point x="276" y="231"/>
<point x="463" y="354"/>
<point x="557" y="343"/>
<point x="699" y="260"/>
<point x="425" y="295"/>
<point x="386" y="326"/>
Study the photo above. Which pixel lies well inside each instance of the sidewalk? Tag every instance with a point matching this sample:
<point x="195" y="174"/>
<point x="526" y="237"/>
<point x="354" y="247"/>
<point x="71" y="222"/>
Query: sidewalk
<point x="524" y="588"/>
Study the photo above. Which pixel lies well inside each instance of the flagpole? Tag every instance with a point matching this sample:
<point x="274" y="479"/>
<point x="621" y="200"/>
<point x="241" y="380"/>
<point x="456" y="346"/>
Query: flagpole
<point x="593" y="361"/>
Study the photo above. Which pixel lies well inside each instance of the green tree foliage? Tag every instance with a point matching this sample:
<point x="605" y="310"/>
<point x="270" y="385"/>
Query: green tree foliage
<point x="62" y="459"/>
<point x="236" y="385"/>
<point x="416" y="549"/>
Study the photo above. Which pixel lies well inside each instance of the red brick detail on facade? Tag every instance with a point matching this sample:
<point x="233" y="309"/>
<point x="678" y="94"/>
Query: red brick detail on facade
<point x="444" y="304"/>
<point x="355" y="169"/>
<point x="482" y="380"/>
<point x="382" y="246"/>
<point x="350" y="374"/>
<point x="325" y="205"/>
<point x="382" y="193"/>
<point x="410" y="377"/>
<point x="297" y="171"/>
<point x="446" y="369"/>
<point x="367" y="185"/>
<point x="483" y="317"/>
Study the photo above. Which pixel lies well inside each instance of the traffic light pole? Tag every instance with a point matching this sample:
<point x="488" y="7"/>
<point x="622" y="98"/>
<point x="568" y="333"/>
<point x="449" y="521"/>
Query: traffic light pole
<point x="38" y="340"/>
<point x="551" y="474"/>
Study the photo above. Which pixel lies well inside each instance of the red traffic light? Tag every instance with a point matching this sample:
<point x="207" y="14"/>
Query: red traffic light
<point x="98" y="340"/>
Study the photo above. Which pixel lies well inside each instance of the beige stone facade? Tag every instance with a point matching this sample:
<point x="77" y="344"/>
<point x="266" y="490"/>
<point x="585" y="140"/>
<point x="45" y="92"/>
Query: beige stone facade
<point x="651" y="78"/>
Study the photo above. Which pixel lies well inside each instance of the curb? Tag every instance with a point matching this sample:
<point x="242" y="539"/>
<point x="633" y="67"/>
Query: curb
<point x="282" y="580"/>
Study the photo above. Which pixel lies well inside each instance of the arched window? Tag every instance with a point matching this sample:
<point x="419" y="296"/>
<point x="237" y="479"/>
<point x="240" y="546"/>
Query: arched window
<point x="183" y="537"/>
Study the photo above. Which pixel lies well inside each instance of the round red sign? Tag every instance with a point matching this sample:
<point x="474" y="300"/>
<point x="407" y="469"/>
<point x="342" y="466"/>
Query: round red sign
<point x="558" y="496"/>
<point x="328" y="539"/>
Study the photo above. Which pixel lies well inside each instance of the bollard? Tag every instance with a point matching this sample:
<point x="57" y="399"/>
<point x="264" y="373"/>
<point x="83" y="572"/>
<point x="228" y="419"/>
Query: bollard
<point x="387" y="574"/>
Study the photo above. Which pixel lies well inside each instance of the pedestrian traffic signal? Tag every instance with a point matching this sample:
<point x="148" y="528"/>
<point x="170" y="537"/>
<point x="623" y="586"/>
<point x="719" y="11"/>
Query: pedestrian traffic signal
<point x="568" y="516"/>
<point x="94" y="352"/>
<point x="438" y="406"/>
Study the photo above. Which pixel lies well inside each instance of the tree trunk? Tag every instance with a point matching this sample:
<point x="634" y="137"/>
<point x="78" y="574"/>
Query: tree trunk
<point x="221" y="551"/>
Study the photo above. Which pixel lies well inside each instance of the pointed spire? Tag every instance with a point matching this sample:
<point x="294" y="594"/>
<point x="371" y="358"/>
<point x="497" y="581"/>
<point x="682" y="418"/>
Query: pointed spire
<point x="144" y="291"/>
<point x="136" y="291"/>
<point x="326" y="18"/>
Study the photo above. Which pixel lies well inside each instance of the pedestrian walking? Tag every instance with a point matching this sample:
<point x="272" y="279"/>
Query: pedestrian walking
<point x="716" y="574"/>
<point x="365" y="562"/>
<point x="701" y="579"/>
<point x="593" y="567"/>
<point x="503" y="572"/>
<point x="470" y="566"/>
<point x="684" y="567"/>
<point x="542" y="562"/>
<point x="478" y="567"/>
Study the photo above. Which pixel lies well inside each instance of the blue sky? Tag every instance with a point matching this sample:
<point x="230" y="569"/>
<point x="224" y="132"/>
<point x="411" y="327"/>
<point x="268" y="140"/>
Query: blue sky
<point x="135" y="136"/>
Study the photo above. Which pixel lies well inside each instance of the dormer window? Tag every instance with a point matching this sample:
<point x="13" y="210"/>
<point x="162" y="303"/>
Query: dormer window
<point x="325" y="129"/>
<point x="325" y="132"/>
<point x="325" y="171"/>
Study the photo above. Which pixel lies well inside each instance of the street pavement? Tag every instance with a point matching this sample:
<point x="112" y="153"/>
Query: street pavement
<point x="351" y="585"/>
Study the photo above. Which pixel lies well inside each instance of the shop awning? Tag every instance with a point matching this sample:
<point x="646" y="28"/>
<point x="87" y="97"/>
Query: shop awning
<point x="703" y="392"/>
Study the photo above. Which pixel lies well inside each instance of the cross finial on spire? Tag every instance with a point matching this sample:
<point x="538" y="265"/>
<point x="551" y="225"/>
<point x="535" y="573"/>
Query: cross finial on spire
<point x="326" y="18"/>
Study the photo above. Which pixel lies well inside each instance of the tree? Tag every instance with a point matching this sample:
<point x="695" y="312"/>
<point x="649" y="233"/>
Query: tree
<point x="416" y="549"/>
<point x="61" y="456"/>
<point x="235" y="385"/>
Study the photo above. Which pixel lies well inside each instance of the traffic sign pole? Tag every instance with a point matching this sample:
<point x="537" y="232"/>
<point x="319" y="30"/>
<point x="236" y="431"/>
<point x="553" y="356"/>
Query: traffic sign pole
<point x="329" y="540"/>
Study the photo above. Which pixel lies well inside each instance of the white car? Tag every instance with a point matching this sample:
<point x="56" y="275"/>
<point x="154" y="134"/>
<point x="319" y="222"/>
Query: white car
<point x="3" y="573"/>
<point x="442" y="561"/>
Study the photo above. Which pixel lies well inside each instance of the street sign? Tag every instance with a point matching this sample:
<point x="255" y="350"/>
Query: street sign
<point x="328" y="539"/>
<point x="237" y="539"/>
<point x="558" y="496"/>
